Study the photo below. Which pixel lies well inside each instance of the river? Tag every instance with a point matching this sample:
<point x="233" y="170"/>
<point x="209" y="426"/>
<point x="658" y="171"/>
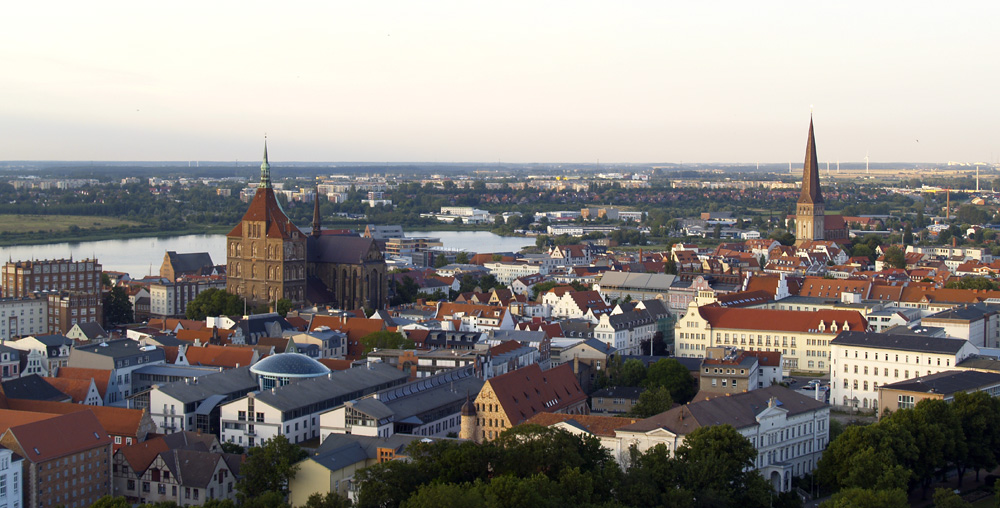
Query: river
<point x="143" y="256"/>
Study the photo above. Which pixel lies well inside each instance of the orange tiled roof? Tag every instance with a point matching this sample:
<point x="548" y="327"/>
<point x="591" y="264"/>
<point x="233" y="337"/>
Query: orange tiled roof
<point x="101" y="377"/>
<point x="595" y="424"/>
<point x="264" y="207"/>
<point x="60" y="435"/>
<point x="219" y="356"/>
<point x="115" y="420"/>
<point x="505" y="347"/>
<point x="334" y="364"/>
<point x="12" y="418"/>
<point x="77" y="389"/>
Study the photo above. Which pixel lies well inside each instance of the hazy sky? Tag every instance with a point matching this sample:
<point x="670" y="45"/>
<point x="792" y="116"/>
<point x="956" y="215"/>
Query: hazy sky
<point x="516" y="81"/>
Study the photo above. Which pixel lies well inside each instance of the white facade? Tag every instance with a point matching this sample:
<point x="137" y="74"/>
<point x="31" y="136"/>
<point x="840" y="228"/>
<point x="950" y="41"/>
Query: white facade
<point x="858" y="370"/>
<point x="11" y="476"/>
<point x="506" y="273"/>
<point x="20" y="317"/>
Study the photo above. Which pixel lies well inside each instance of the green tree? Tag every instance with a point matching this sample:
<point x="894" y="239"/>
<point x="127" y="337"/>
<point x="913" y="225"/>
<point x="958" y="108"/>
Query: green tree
<point x="670" y="267"/>
<point x="718" y="465"/>
<point x="282" y="306"/>
<point x="385" y="340"/>
<point x="117" y="307"/>
<point x="111" y="502"/>
<point x="440" y="261"/>
<point x="867" y="498"/>
<point x="214" y="302"/>
<point x="462" y="258"/>
<point x="233" y="448"/>
<point x="268" y="468"/>
<point x="670" y="374"/>
<point x="446" y="495"/>
<point x="863" y="250"/>
<point x="978" y="411"/>
<point x="632" y="373"/>
<point x="407" y="290"/>
<point x="652" y="401"/>
<point x="105" y="280"/>
<point x="329" y="500"/>
<point x="895" y="257"/>
<point x="971" y="282"/>
<point x="947" y="498"/>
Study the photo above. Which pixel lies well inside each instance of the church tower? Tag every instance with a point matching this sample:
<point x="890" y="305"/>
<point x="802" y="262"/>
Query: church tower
<point x="810" y="220"/>
<point x="266" y="253"/>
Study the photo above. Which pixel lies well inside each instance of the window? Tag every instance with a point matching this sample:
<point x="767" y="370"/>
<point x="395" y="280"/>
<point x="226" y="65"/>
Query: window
<point x="905" y="402"/>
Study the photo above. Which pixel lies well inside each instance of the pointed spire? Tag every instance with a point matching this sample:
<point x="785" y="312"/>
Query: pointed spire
<point x="265" y="170"/>
<point x="317" y="227"/>
<point x="810" y="171"/>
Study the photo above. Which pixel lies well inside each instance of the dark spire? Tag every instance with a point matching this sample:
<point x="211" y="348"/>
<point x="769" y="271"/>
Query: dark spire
<point x="265" y="170"/>
<point x="316" y="224"/>
<point x="810" y="171"/>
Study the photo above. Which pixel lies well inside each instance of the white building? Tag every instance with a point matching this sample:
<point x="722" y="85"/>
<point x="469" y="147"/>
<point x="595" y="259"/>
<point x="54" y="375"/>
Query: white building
<point x="11" y="478"/>
<point x="789" y="430"/>
<point x="20" y="317"/>
<point x="861" y="362"/>
<point x="625" y="331"/>
<point x="171" y="299"/>
<point x="506" y="273"/>
<point x="293" y="410"/>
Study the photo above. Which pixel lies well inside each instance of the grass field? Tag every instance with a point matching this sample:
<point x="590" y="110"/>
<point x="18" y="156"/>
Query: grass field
<point x="17" y="224"/>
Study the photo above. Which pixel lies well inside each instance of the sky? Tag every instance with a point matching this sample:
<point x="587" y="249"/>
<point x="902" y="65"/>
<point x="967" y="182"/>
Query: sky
<point x="536" y="81"/>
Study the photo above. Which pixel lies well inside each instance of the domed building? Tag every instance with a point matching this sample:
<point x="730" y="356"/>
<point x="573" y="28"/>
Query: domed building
<point x="281" y="369"/>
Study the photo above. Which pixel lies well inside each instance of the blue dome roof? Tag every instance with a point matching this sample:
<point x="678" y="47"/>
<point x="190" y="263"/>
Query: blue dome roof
<point x="289" y="365"/>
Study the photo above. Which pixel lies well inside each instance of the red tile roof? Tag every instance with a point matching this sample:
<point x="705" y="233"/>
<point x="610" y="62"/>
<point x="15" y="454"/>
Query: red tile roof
<point x="77" y="389"/>
<point x="12" y="418"/>
<point x="116" y="420"/>
<point x="595" y="424"/>
<point x="59" y="436"/>
<point x="528" y="391"/>
<point x="219" y="356"/>
<point x="782" y="320"/>
<point x="101" y="377"/>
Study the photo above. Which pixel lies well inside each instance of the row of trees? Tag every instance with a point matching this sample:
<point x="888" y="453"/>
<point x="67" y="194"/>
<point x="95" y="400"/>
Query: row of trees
<point x="536" y="466"/>
<point x="908" y="449"/>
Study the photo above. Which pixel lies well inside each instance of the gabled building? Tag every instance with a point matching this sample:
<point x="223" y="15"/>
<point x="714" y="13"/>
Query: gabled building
<point x="47" y="446"/>
<point x="121" y="357"/>
<point x="193" y="404"/>
<point x="513" y="398"/>
<point x="54" y="348"/>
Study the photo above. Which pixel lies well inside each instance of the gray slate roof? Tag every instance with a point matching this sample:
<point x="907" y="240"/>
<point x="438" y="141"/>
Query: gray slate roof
<point x="964" y="313"/>
<point x="333" y="389"/>
<point x="32" y="387"/>
<point x="947" y="382"/>
<point x="191" y="262"/>
<point x="233" y="381"/>
<point x="739" y="410"/>
<point x="899" y="342"/>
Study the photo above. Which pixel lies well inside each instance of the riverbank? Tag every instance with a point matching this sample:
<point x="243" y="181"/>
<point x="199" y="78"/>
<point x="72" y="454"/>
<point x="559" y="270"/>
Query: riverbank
<point x="86" y="235"/>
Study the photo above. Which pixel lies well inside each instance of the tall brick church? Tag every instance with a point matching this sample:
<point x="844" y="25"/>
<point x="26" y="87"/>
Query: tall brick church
<point x="269" y="258"/>
<point x="811" y="221"/>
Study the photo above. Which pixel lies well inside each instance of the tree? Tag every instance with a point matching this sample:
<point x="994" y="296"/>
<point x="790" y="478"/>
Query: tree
<point x="895" y="257"/>
<point x="214" y="302"/>
<point x="670" y="267"/>
<point x="117" y="307"/>
<point x="446" y="495"/>
<point x="462" y="258"/>
<point x="385" y="340"/>
<point x="670" y="374"/>
<point x="863" y="250"/>
<point x="282" y="306"/>
<point x="268" y="468"/>
<point x="111" y="502"/>
<point x="233" y="448"/>
<point x="947" y="498"/>
<point x="105" y="280"/>
<point x="867" y="498"/>
<point x="407" y="291"/>
<point x="977" y="412"/>
<point x="330" y="500"/>
<point x="652" y="401"/>
<point x="440" y="261"/>
<point x="632" y="373"/>
<point x="718" y="465"/>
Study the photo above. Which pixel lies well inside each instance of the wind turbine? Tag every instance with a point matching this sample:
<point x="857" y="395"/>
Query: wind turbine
<point x="867" y="171"/>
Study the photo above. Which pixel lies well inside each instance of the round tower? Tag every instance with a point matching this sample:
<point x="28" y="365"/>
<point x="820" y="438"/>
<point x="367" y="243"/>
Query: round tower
<point x="470" y="424"/>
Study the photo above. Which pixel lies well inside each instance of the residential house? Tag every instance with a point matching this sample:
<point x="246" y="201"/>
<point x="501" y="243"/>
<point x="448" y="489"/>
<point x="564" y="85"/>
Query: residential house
<point x="614" y="399"/>
<point x="54" y="348"/>
<point x="86" y="332"/>
<point x="121" y="357"/>
<point x="940" y="386"/>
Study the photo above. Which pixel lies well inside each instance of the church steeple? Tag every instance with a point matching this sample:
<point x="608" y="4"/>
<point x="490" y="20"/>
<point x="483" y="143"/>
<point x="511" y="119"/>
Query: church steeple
<point x="265" y="170"/>
<point x="810" y="172"/>
<point x="317" y="228"/>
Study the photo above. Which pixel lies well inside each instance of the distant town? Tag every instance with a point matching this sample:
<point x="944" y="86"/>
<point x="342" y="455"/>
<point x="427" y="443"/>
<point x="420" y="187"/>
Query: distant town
<point x="670" y="336"/>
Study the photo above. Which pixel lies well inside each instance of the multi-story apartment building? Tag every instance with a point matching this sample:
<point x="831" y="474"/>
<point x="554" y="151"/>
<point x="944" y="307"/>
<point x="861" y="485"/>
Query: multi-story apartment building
<point x="293" y="410"/>
<point x="72" y="471"/>
<point x="728" y="370"/>
<point x="121" y="357"/>
<point x="68" y="308"/>
<point x="802" y="338"/>
<point x="22" y="278"/>
<point x="625" y="331"/>
<point x="863" y="361"/>
<point x="170" y="299"/>
<point x="20" y="317"/>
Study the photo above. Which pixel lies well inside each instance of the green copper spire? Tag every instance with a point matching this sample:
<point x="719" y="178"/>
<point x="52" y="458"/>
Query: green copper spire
<point x="265" y="170"/>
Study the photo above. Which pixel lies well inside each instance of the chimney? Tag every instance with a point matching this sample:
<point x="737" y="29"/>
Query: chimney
<point x="954" y="241"/>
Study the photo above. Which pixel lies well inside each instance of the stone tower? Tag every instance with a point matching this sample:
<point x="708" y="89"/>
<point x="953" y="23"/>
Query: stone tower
<point x="810" y="221"/>
<point x="266" y="253"/>
<point x="470" y="425"/>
